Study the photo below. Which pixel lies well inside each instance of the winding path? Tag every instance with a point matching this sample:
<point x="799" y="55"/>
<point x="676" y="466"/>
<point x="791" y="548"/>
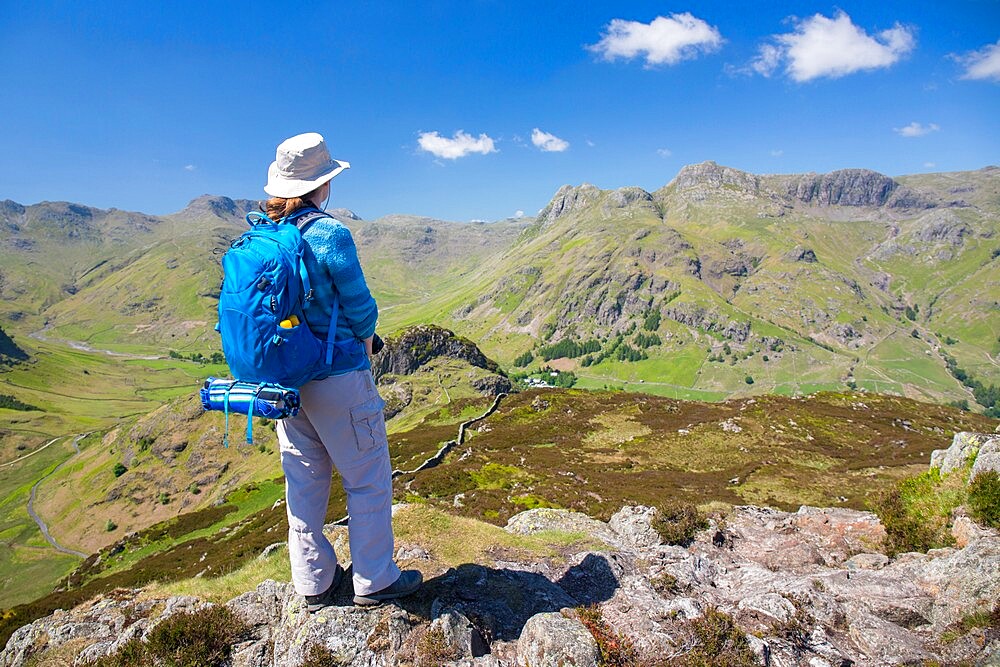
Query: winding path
<point x="31" y="501"/>
<point x="445" y="448"/>
<point x="83" y="347"/>
<point x="32" y="453"/>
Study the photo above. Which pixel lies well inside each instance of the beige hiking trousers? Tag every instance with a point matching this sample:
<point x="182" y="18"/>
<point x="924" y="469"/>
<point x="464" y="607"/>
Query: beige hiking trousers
<point x="340" y="424"/>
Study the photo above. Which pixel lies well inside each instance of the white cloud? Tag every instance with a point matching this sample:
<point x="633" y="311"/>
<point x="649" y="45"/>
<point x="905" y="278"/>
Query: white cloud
<point x="189" y="167"/>
<point x="549" y="143"/>
<point x="460" y="145"/>
<point x="663" y="41"/>
<point x="767" y="60"/>
<point x="831" y="47"/>
<point x="916" y="129"/>
<point x="983" y="64"/>
<point x="929" y="165"/>
<point x="777" y="152"/>
<point x="519" y="214"/>
<point x="664" y="152"/>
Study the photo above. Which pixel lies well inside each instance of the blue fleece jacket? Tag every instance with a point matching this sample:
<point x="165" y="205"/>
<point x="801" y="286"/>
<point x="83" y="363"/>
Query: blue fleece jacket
<point x="331" y="259"/>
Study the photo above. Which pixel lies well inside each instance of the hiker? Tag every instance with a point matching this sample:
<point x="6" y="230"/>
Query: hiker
<point x="340" y="423"/>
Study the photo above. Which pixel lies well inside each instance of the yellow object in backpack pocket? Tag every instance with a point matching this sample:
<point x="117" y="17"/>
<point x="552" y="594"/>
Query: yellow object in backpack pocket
<point x="291" y="322"/>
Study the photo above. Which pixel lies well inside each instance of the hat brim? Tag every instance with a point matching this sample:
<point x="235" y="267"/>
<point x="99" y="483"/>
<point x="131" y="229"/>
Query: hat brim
<point x="278" y="186"/>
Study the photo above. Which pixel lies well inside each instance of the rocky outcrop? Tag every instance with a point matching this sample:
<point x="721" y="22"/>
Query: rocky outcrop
<point x="569" y="199"/>
<point x="801" y="254"/>
<point x="343" y="214"/>
<point x="493" y="385"/>
<point x="711" y="175"/>
<point x="701" y="318"/>
<point x="610" y="299"/>
<point x="628" y="198"/>
<point x="854" y="187"/>
<point x="218" y="206"/>
<point x="406" y="352"/>
<point x="803" y="588"/>
<point x="980" y="450"/>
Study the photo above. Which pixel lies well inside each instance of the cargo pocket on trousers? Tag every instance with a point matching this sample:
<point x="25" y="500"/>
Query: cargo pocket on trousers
<point x="369" y="424"/>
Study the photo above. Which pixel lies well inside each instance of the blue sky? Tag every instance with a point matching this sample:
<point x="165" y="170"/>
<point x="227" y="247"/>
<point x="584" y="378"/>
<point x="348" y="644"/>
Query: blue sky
<point x="145" y="106"/>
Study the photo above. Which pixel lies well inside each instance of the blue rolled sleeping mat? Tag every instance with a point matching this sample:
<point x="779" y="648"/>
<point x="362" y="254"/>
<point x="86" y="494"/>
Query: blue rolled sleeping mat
<point x="270" y="401"/>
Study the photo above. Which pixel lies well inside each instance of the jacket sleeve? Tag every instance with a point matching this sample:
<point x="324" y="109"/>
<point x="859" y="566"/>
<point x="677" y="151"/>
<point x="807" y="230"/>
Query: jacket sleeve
<point x="339" y="256"/>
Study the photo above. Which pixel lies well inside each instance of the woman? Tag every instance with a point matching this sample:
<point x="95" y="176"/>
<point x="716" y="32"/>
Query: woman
<point x="340" y="423"/>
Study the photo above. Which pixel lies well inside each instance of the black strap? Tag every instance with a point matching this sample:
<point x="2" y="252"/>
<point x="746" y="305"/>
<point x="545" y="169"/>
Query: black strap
<point x="306" y="217"/>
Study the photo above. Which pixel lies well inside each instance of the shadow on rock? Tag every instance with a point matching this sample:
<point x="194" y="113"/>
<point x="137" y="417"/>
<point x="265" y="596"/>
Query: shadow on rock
<point x="500" y="601"/>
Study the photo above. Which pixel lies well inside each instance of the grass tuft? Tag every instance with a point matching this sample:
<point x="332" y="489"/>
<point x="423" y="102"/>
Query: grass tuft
<point x="984" y="498"/>
<point x="716" y="640"/>
<point x="202" y="638"/>
<point x="916" y="511"/>
<point x="678" y="522"/>
<point x="433" y="649"/>
<point x="320" y="656"/>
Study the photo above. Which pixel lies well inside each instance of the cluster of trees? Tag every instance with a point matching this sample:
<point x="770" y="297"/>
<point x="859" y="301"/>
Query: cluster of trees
<point x="12" y="403"/>
<point x="564" y="379"/>
<point x="987" y="396"/>
<point x="524" y="359"/>
<point x="617" y="349"/>
<point x="593" y="352"/>
<point x="568" y="348"/>
<point x="198" y="357"/>
<point x="644" y="341"/>
<point x="652" y="321"/>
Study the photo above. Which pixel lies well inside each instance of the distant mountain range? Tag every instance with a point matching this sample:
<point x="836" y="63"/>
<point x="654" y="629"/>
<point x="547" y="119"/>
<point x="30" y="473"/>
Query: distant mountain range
<point x="721" y="282"/>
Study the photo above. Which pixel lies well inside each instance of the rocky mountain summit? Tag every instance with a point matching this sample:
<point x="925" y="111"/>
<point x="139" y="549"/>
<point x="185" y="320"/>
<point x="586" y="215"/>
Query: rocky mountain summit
<point x="218" y="206"/>
<point x="410" y="349"/>
<point x="757" y="586"/>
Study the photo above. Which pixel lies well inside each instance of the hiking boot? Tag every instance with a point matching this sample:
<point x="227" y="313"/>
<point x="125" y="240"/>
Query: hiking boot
<point x="325" y="599"/>
<point x="408" y="582"/>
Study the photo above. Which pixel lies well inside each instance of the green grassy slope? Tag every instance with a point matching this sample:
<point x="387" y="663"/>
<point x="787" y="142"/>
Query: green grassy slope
<point x="727" y="258"/>
<point x="829" y="265"/>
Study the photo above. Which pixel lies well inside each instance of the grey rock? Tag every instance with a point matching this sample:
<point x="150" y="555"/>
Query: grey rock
<point x="988" y="458"/>
<point x="801" y="254"/>
<point x="492" y="385"/>
<point x="634" y="527"/>
<point x="814" y="571"/>
<point x="769" y="604"/>
<point x="867" y="562"/>
<point x="552" y="640"/>
<point x="343" y="214"/>
<point x="569" y="199"/>
<point x="937" y="457"/>
<point x="460" y="634"/>
<point x="964" y="446"/>
<point x="854" y="187"/>
<point x="412" y="348"/>
<point x="685" y="608"/>
<point x="714" y="176"/>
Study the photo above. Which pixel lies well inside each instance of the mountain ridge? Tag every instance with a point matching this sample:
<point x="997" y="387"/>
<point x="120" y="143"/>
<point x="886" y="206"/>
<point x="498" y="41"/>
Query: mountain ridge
<point x="714" y="249"/>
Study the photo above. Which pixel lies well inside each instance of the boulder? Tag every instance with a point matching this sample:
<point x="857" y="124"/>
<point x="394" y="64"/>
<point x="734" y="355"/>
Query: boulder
<point x="553" y="640"/>
<point x="964" y="446"/>
<point x="988" y="457"/>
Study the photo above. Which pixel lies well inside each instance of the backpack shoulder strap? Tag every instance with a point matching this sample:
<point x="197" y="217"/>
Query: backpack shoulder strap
<point x="301" y="219"/>
<point x="305" y="217"/>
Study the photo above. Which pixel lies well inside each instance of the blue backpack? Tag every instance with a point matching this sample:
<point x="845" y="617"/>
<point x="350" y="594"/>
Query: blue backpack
<point x="265" y="282"/>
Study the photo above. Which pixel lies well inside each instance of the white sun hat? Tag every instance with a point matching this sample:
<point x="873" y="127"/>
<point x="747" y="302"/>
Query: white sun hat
<point x="302" y="164"/>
